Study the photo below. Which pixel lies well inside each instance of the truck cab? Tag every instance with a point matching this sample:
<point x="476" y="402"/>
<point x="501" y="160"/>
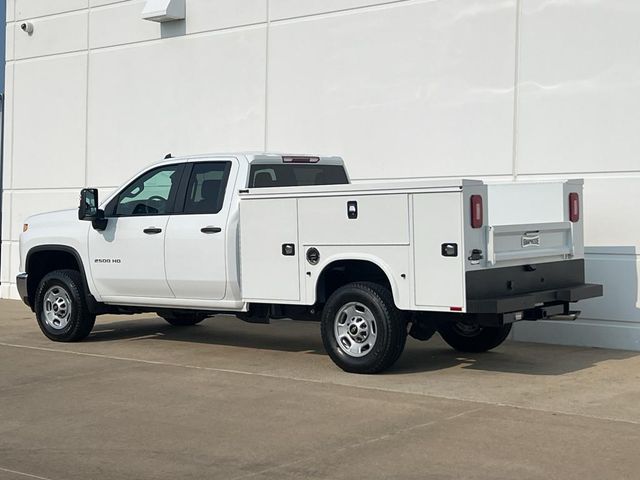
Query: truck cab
<point x="276" y="235"/>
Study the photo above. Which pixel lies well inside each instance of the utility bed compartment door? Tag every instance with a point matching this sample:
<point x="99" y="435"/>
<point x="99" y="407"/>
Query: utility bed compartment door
<point x="376" y="220"/>
<point x="266" y="225"/>
<point x="439" y="279"/>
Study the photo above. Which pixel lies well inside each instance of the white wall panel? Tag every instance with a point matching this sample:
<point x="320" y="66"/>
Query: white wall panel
<point x="10" y="5"/>
<point x="26" y="9"/>
<point x="611" y="214"/>
<point x="26" y="203"/>
<point x="186" y="95"/>
<point x="619" y="274"/>
<point x="120" y="23"/>
<point x="8" y="126"/>
<point x="579" y="102"/>
<point x="413" y="89"/>
<point x="279" y="9"/>
<point x="203" y="15"/>
<point x="5" y="263"/>
<point x="9" y="42"/>
<point x="49" y="122"/>
<point x="6" y="216"/>
<point x="59" y="34"/>
<point x="98" y="3"/>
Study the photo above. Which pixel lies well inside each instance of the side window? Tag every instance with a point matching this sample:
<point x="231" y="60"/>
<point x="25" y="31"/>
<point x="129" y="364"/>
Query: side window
<point x="151" y="194"/>
<point x="206" y="188"/>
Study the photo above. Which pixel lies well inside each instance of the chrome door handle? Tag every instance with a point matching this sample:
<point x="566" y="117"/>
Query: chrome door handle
<point x="210" y="229"/>
<point x="152" y="230"/>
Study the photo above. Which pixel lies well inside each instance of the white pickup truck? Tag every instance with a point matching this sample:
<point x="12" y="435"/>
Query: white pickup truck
<point x="288" y="236"/>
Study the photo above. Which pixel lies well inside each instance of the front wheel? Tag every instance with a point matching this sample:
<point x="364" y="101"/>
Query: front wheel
<point x="471" y="337"/>
<point x="362" y="330"/>
<point x="60" y="307"/>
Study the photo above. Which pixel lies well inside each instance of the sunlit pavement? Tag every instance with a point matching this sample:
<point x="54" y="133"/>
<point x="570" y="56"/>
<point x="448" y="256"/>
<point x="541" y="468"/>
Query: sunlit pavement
<point x="140" y="399"/>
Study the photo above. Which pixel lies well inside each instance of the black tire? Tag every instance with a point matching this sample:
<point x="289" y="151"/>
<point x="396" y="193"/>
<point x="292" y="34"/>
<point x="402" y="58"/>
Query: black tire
<point x="68" y="287"/>
<point x="389" y="326"/>
<point x="472" y="338"/>
<point x="182" y="319"/>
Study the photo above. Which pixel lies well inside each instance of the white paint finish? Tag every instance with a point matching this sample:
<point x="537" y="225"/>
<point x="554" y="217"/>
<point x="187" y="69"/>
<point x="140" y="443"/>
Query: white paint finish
<point x="164" y="10"/>
<point x="99" y="3"/>
<point x="10" y="6"/>
<point x="6" y="217"/>
<point x="267" y="274"/>
<point x="5" y="263"/>
<point x="210" y="109"/>
<point x="619" y="274"/>
<point x="51" y="35"/>
<point x="122" y="24"/>
<point x="579" y="97"/>
<point x="27" y="203"/>
<point x="196" y="262"/>
<point x="439" y="280"/>
<point x="394" y="260"/>
<point x="140" y="272"/>
<point x="7" y="163"/>
<point x="204" y="15"/>
<point x="10" y="31"/>
<point x="26" y="9"/>
<point x="119" y="24"/>
<point x="49" y="122"/>
<point x="279" y="9"/>
<point x="611" y="212"/>
<point x="14" y="269"/>
<point x="511" y="203"/>
<point x="382" y="219"/>
<point x="430" y="83"/>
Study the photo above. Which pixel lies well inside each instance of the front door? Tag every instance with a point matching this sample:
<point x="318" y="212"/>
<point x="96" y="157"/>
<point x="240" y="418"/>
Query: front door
<point x="197" y="236"/>
<point x="127" y="258"/>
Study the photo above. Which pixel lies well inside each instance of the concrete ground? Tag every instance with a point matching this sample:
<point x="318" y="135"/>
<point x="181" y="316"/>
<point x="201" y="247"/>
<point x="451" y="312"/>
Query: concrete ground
<point x="227" y="400"/>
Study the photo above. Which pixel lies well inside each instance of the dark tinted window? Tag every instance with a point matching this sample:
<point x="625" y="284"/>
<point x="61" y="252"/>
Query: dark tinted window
<point x="150" y="194"/>
<point x="281" y="175"/>
<point x="206" y="187"/>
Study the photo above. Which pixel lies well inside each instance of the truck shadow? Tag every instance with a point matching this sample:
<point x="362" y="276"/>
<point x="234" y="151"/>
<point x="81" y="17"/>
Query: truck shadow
<point x="419" y="357"/>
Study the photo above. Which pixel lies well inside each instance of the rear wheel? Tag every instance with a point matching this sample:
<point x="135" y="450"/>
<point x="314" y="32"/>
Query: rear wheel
<point x="471" y="337"/>
<point x="182" y="319"/>
<point x="362" y="330"/>
<point x="61" y="309"/>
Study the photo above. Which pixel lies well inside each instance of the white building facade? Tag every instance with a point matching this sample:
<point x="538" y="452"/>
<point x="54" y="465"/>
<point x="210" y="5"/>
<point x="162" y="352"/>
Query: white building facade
<point x="491" y="89"/>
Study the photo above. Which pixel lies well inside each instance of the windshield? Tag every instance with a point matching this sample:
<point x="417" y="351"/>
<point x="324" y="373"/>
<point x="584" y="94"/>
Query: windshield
<point x="280" y="175"/>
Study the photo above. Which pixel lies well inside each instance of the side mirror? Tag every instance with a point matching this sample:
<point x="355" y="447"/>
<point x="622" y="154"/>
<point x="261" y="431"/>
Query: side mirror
<point x="88" y="209"/>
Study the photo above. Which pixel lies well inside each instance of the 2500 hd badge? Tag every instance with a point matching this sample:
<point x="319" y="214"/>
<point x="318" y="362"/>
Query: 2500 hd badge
<point x="107" y="260"/>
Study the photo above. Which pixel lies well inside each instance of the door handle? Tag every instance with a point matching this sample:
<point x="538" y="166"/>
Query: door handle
<point x="152" y="230"/>
<point x="210" y="229"/>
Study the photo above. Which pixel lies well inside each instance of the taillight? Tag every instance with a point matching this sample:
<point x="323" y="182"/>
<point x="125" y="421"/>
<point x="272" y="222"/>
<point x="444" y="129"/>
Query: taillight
<point x="476" y="211"/>
<point x="574" y="207"/>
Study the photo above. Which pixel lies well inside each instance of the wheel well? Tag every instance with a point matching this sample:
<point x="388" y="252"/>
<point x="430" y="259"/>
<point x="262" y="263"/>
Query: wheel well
<point x="41" y="262"/>
<point x="342" y="272"/>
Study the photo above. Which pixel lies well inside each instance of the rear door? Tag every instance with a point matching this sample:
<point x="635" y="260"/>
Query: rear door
<point x="197" y="236"/>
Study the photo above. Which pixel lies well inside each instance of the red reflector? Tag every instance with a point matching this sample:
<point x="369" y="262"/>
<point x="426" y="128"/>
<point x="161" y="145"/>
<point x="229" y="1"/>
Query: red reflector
<point x="574" y="207"/>
<point x="476" y="211"/>
<point x="300" y="159"/>
<point x="455" y="309"/>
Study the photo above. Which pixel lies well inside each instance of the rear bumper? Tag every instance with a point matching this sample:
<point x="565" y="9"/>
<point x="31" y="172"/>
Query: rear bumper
<point x="534" y="299"/>
<point x="527" y="287"/>
<point x="21" y="283"/>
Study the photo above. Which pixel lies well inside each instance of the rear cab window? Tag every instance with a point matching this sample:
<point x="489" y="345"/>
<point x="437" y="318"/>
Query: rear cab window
<point x="295" y="175"/>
